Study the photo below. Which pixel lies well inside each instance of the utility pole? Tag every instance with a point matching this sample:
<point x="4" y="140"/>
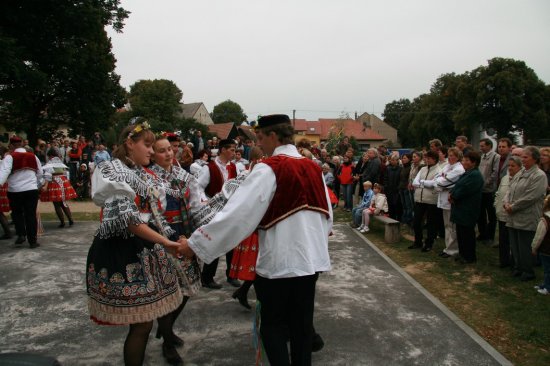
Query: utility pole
<point x="294" y="118"/>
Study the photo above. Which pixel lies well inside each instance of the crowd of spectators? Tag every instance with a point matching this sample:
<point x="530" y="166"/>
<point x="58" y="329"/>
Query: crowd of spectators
<point x="450" y="192"/>
<point x="459" y="193"/>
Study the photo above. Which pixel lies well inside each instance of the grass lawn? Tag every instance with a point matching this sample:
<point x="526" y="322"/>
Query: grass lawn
<point x="507" y="313"/>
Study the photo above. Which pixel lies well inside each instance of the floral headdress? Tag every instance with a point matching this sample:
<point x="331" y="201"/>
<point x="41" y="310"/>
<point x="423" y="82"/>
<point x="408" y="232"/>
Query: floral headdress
<point x="138" y="128"/>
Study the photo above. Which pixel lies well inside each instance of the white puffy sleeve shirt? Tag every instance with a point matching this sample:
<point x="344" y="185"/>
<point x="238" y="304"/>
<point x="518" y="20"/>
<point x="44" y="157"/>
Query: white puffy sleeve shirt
<point x="296" y="246"/>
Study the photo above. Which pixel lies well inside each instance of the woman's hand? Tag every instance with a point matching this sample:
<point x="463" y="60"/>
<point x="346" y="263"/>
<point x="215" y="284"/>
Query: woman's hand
<point x="184" y="249"/>
<point x="171" y="247"/>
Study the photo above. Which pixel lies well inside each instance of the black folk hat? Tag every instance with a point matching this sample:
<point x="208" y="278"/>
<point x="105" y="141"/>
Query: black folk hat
<point x="272" y="119"/>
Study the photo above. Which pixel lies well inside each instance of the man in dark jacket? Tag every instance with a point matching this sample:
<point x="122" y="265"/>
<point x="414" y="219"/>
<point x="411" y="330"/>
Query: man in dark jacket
<point x="371" y="171"/>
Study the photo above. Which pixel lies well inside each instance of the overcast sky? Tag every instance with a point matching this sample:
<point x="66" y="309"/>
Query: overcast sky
<point x="323" y="57"/>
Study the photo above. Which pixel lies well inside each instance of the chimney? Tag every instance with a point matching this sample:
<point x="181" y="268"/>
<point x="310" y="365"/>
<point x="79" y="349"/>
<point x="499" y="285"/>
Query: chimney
<point x="356" y="116"/>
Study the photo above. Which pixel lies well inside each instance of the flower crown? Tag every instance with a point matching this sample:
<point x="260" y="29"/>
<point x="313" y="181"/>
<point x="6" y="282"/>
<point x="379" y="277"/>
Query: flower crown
<point x="139" y="127"/>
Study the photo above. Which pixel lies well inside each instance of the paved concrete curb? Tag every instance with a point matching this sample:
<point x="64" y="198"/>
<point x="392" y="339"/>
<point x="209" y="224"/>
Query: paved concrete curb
<point x="367" y="309"/>
<point x="472" y="333"/>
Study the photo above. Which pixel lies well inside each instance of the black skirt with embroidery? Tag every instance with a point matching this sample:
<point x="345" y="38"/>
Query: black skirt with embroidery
<point x="130" y="280"/>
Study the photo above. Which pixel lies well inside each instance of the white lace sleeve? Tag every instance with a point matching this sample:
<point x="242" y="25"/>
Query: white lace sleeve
<point x="119" y="212"/>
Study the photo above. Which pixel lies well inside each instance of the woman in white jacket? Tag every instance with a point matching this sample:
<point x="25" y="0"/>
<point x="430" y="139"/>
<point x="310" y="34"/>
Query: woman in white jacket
<point x="425" y="203"/>
<point x="443" y="182"/>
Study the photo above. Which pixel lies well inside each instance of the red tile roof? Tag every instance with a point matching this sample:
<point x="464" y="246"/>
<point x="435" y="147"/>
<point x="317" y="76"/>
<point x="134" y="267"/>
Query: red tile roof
<point x="323" y="126"/>
<point x="222" y="130"/>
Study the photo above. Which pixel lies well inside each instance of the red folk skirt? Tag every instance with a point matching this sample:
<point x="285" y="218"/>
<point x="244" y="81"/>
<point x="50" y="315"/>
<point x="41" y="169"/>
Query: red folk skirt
<point x="243" y="264"/>
<point x="4" y="202"/>
<point x="59" y="190"/>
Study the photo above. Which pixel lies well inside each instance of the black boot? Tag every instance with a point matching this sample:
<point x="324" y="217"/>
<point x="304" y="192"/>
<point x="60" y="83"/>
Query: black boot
<point x="6" y="227"/>
<point x="241" y="296"/>
<point x="171" y="355"/>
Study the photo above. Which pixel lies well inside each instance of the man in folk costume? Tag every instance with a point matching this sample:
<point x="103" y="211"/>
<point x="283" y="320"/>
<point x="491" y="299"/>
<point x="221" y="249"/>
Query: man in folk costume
<point x="211" y="179"/>
<point x="286" y="199"/>
<point x="23" y="172"/>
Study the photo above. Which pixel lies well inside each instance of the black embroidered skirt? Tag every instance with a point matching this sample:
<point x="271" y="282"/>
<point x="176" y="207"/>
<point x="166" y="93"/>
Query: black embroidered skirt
<point x="130" y="281"/>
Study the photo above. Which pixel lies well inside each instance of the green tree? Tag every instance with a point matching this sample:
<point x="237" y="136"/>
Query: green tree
<point x="508" y="96"/>
<point x="399" y="114"/>
<point x="57" y="66"/>
<point x="228" y="111"/>
<point x="156" y="100"/>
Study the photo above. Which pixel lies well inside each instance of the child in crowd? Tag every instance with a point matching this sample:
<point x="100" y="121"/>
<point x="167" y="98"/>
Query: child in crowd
<point x="541" y="246"/>
<point x="378" y="206"/>
<point x="357" y="212"/>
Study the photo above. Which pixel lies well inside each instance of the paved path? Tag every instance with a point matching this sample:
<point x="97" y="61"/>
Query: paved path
<point x="368" y="311"/>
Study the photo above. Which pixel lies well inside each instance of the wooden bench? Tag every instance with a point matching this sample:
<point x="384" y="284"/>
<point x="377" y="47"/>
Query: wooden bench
<point x="391" y="228"/>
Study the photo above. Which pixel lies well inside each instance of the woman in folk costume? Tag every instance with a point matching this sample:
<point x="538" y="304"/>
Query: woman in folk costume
<point x="182" y="194"/>
<point x="245" y="255"/>
<point x="58" y="189"/>
<point x="4" y="202"/>
<point x="131" y="279"/>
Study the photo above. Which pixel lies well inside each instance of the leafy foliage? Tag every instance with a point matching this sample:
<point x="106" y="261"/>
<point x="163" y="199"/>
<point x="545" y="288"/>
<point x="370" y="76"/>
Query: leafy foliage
<point x="505" y="96"/>
<point x="228" y="111"/>
<point x="156" y="100"/>
<point x="57" y="66"/>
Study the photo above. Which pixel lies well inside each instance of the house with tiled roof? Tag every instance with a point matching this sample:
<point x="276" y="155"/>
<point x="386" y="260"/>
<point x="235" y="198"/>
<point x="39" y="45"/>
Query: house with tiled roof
<point x="196" y="111"/>
<point x="230" y="130"/>
<point x="223" y="130"/>
<point x="375" y="124"/>
<point x="319" y="131"/>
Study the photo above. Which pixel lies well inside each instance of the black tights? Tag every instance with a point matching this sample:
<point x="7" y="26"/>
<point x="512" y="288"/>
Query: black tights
<point x="61" y="208"/>
<point x="136" y="342"/>
<point x="166" y="323"/>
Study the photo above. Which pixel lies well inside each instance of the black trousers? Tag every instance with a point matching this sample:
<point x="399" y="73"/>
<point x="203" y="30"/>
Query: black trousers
<point x="209" y="270"/>
<point x="287" y="312"/>
<point x="23" y="213"/>
<point x="466" y="237"/>
<point x="487" y="221"/>
<point x="430" y="211"/>
<point x="504" y="253"/>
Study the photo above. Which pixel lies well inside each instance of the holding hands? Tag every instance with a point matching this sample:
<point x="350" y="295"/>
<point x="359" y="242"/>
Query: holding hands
<point x="184" y="249"/>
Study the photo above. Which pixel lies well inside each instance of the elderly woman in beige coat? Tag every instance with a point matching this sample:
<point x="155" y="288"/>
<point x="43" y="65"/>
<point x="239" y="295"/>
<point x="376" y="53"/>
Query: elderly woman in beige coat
<point x="504" y="255"/>
<point x="523" y="204"/>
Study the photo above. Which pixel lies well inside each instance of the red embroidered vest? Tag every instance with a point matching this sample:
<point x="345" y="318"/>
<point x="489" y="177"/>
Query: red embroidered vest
<point x="24" y="160"/>
<point x="216" y="178"/>
<point x="300" y="186"/>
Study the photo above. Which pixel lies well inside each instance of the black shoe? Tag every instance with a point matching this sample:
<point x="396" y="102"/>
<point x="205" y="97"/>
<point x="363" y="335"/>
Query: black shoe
<point x="71" y="222"/>
<point x="233" y="282"/>
<point x="61" y="225"/>
<point x="445" y="255"/>
<point x="212" y="284"/>
<point x="525" y="277"/>
<point x="20" y="240"/>
<point x="174" y="339"/>
<point x="317" y="343"/>
<point x="466" y="261"/>
<point x="414" y="246"/>
<point x="171" y="355"/>
<point x="34" y="245"/>
<point x="426" y="249"/>
<point x="242" y="298"/>
<point x="516" y="273"/>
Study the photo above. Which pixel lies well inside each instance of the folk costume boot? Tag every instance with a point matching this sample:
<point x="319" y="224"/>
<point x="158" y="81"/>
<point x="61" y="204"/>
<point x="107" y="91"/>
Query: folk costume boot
<point x="6" y="227"/>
